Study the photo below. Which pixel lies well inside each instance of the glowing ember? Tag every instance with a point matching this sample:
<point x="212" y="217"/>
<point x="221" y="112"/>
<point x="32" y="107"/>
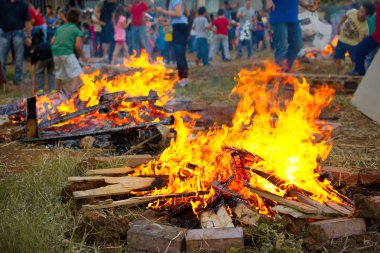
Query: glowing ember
<point x="283" y="137"/>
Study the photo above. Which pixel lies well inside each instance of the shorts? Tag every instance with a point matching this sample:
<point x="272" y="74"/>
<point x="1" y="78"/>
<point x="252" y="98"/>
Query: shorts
<point x="341" y="50"/>
<point x="120" y="42"/>
<point x="67" y="66"/>
<point x="107" y="33"/>
<point x="259" y="37"/>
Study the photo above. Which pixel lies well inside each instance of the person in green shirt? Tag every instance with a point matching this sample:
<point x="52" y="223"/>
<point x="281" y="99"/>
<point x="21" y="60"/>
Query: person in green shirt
<point x="371" y="21"/>
<point x="67" y="38"/>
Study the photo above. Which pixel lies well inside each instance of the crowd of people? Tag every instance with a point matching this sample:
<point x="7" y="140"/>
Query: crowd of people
<point x="62" y="40"/>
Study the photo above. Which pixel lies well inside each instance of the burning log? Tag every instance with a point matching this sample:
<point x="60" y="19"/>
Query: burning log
<point x="111" y="130"/>
<point x="293" y="204"/>
<point x="105" y="102"/>
<point x="224" y="190"/>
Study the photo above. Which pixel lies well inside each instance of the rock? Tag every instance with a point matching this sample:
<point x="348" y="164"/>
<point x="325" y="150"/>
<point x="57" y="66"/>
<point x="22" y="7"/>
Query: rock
<point x="87" y="142"/>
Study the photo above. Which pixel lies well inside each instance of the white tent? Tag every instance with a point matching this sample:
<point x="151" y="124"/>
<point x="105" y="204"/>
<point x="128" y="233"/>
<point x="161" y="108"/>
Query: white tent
<point x="367" y="96"/>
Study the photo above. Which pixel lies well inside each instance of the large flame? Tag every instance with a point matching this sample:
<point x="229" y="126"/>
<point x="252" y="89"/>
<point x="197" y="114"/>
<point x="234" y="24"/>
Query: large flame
<point x="282" y="134"/>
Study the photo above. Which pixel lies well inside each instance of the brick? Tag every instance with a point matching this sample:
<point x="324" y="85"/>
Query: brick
<point x="341" y="175"/>
<point x="150" y="236"/>
<point x="214" y="239"/>
<point x="353" y="178"/>
<point x="367" y="207"/>
<point x="197" y="106"/>
<point x="368" y="176"/>
<point x="339" y="227"/>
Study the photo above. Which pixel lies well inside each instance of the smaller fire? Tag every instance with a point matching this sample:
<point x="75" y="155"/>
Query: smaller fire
<point x="105" y="101"/>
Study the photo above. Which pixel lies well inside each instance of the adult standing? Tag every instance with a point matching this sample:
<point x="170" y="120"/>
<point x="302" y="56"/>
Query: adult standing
<point x="139" y="33"/>
<point x="37" y="21"/>
<point x="177" y="9"/>
<point x="287" y="33"/>
<point x="105" y="10"/>
<point x="245" y="16"/>
<point x="14" y="17"/>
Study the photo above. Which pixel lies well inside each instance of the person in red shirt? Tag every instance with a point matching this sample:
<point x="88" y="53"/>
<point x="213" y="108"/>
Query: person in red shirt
<point x="221" y="36"/>
<point x="37" y="21"/>
<point x="139" y="34"/>
<point x="365" y="47"/>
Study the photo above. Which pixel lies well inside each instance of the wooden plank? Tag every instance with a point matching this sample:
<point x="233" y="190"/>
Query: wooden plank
<point x="139" y="200"/>
<point x="297" y="214"/>
<point x="290" y="203"/>
<point x="209" y="219"/>
<point x="245" y="214"/>
<point x="224" y="217"/>
<point x="325" y="210"/>
<point x="338" y="208"/>
<point x="125" y="202"/>
<point x="112" y="171"/>
<point x="111" y="180"/>
<point x="366" y="98"/>
<point x="116" y="189"/>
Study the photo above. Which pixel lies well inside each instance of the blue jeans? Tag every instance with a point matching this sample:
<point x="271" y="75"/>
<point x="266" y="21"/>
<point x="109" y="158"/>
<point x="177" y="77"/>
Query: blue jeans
<point x="140" y="39"/>
<point x="169" y="52"/>
<point x="341" y="50"/>
<point x="202" y="50"/>
<point x="245" y="42"/>
<point x="362" y="50"/>
<point x="43" y="28"/>
<point x="287" y="42"/>
<point x="180" y="33"/>
<point x="17" y="39"/>
<point x="192" y="44"/>
<point x="128" y="40"/>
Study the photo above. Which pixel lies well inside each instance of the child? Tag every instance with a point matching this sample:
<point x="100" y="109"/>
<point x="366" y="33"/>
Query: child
<point x="259" y="33"/>
<point x="41" y="60"/>
<point x="120" y="24"/>
<point x="352" y="29"/>
<point x="200" y="26"/>
<point x="67" y="38"/>
<point x="367" y="46"/>
<point x="169" y="49"/>
<point x="160" y="39"/>
<point x="221" y="23"/>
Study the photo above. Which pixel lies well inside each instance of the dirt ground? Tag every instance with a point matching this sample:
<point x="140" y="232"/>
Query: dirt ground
<point x="356" y="148"/>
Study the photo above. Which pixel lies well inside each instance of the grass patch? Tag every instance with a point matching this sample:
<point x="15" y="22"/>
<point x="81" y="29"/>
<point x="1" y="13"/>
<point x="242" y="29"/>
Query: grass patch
<point x="33" y="217"/>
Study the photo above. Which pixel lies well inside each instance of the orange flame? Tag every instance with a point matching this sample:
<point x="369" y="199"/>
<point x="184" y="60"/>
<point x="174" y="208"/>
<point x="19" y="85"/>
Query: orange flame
<point x="281" y="134"/>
